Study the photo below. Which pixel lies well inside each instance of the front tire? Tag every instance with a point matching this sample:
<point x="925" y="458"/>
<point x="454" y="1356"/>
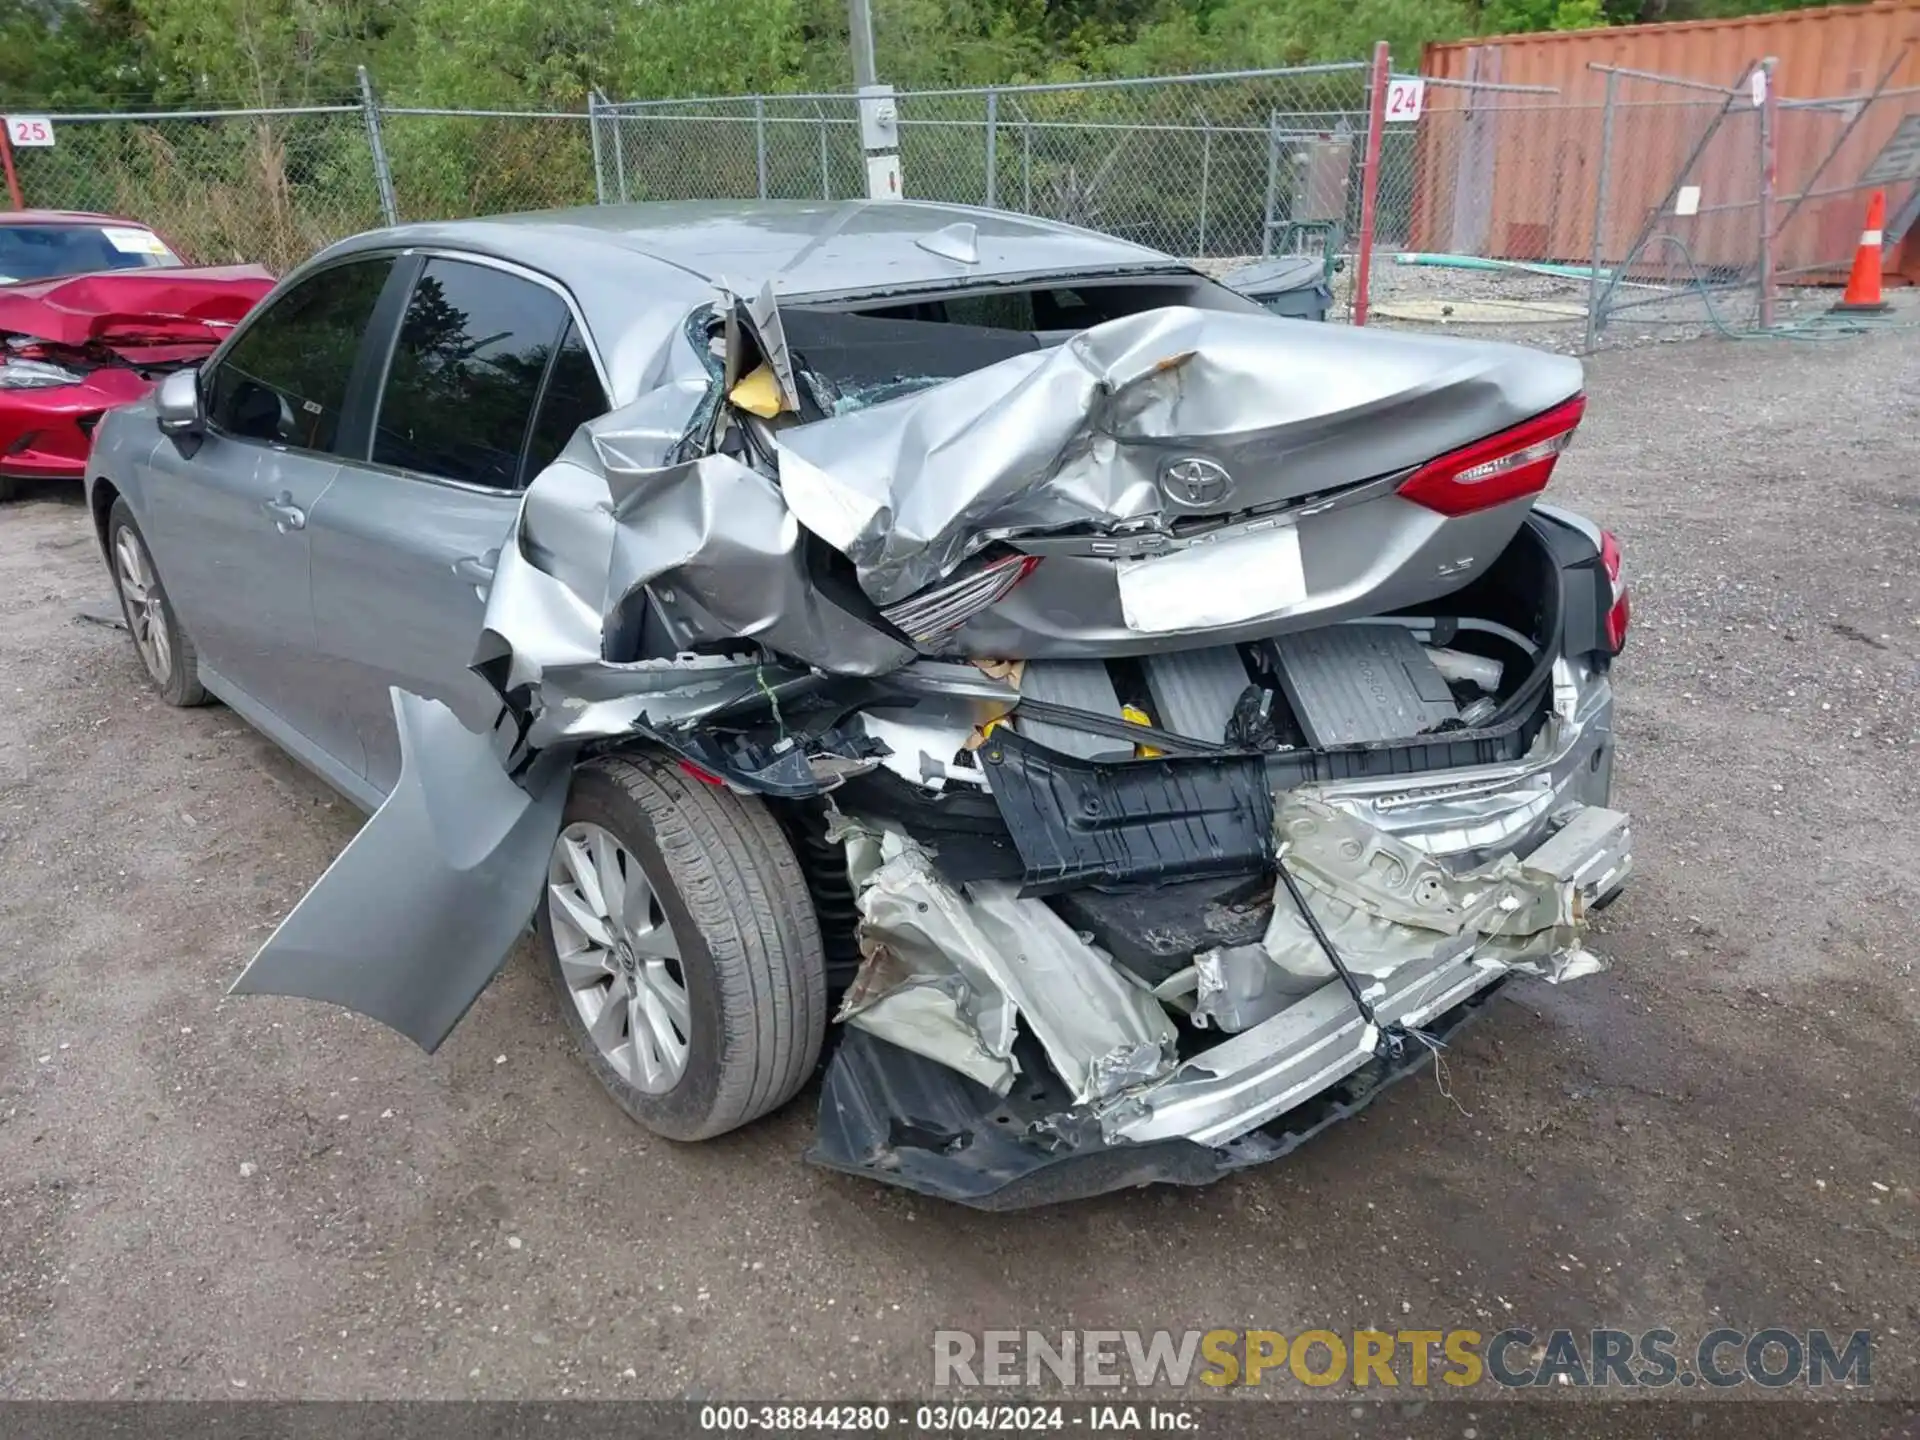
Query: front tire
<point x="165" y="649"/>
<point x="679" y="934"/>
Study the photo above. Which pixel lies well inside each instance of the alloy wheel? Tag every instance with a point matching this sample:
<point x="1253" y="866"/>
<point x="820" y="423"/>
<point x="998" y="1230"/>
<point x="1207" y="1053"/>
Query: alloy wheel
<point x="146" y="607"/>
<point x="620" y="957"/>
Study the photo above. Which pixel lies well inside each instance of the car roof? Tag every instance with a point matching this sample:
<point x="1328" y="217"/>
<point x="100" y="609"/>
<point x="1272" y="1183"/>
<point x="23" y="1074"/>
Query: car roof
<point x="815" y="248"/>
<point x="64" y="217"/>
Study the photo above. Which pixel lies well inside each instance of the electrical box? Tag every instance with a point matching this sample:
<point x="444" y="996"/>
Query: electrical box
<point x="879" y="118"/>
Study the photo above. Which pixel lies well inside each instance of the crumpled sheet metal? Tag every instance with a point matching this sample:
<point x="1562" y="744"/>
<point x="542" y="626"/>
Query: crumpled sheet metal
<point x="947" y="976"/>
<point x="1238" y="986"/>
<point x="711" y="541"/>
<point x="1384" y="903"/>
<point x="1076" y="434"/>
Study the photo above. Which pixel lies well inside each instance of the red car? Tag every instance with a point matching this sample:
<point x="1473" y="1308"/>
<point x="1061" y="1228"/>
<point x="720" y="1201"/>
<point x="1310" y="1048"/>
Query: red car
<point x="93" y="311"/>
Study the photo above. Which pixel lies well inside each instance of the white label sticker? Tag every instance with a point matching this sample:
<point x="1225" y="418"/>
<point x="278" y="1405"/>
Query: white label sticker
<point x="129" y="241"/>
<point x="29" y="130"/>
<point x="1224" y="583"/>
<point x="1687" y="202"/>
<point x="883" y="177"/>
<point x="1406" y="98"/>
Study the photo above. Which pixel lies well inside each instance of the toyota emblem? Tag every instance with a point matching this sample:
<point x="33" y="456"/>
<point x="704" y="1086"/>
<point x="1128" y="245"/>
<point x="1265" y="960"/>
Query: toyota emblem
<point x="1194" y="481"/>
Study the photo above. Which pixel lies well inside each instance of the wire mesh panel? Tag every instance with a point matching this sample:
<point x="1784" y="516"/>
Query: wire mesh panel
<point x="1679" y="243"/>
<point x="1486" y="208"/>
<point x="269" y="187"/>
<point x="734" y="148"/>
<point x="1832" y="154"/>
<point x="450" y="164"/>
<point x="1208" y="165"/>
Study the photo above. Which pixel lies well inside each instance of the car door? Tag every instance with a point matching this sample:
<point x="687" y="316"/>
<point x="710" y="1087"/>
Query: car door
<point x="490" y="374"/>
<point x="227" y="516"/>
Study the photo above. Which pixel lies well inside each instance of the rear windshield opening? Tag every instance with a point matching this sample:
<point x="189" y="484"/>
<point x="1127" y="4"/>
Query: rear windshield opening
<point x="850" y="359"/>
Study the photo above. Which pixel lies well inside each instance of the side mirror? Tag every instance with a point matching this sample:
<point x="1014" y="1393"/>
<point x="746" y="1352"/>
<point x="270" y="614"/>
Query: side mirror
<point x="177" y="404"/>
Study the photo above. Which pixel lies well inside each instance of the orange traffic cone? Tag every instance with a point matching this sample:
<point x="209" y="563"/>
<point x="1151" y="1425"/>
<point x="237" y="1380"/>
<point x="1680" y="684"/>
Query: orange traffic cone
<point x="1863" y="284"/>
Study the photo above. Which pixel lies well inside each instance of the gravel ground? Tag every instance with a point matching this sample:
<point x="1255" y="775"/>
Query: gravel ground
<point x="202" y="1197"/>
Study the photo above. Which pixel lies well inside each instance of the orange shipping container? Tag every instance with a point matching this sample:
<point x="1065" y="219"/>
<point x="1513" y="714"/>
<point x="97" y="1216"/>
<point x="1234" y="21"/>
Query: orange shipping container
<point x="1516" y="176"/>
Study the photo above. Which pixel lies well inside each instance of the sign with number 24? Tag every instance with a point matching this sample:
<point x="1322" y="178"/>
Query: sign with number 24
<point x="1405" y="99"/>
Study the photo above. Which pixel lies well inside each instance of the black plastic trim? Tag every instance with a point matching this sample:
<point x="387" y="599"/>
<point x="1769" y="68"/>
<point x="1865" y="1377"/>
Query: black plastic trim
<point x="887" y="1114"/>
<point x="1077" y="821"/>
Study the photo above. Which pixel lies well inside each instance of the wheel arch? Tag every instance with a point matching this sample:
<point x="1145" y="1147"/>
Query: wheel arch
<point x="101" y="494"/>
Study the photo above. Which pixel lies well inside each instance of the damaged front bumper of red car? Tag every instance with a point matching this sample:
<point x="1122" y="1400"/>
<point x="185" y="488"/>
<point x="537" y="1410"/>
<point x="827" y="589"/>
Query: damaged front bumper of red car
<point x="73" y="348"/>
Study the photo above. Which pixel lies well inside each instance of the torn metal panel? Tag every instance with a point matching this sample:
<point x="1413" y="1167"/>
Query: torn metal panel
<point x="946" y="975"/>
<point x="1236" y="987"/>
<point x="928" y="982"/>
<point x="1385" y="904"/>
<point x="612" y="548"/>
<point x="1248" y="1079"/>
<point x="1080" y="434"/>
<point x="420" y="910"/>
<point x="897" y="1118"/>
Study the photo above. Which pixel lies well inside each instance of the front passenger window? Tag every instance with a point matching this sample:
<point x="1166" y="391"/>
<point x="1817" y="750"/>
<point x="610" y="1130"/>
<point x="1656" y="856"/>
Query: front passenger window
<point x="285" y="378"/>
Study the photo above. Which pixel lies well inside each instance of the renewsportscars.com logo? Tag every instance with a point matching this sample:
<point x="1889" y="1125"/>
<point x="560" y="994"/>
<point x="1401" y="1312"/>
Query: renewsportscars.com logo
<point x="1773" y="1358"/>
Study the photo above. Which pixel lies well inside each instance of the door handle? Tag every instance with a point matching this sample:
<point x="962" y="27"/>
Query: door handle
<point x="477" y="570"/>
<point x="286" y="515"/>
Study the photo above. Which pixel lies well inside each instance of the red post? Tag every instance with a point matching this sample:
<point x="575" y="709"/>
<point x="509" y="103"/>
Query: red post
<point x="6" y="158"/>
<point x="1370" y="178"/>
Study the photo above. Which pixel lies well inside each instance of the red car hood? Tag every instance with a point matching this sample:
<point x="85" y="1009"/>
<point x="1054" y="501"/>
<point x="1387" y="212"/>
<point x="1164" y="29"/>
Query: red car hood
<point x="141" y="315"/>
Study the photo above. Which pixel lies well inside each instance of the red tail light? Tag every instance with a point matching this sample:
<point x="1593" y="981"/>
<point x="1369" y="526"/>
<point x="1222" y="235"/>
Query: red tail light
<point x="1620" y="615"/>
<point x="945" y="608"/>
<point x="1499" y="468"/>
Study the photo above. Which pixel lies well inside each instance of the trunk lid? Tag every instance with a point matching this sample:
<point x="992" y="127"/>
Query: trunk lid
<point x="1268" y="447"/>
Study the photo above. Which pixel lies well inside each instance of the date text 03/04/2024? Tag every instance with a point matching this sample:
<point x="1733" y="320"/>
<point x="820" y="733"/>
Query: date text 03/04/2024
<point x="945" y="1418"/>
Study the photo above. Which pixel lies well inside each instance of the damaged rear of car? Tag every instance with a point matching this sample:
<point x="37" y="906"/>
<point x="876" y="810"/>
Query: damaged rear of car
<point x="1120" y="729"/>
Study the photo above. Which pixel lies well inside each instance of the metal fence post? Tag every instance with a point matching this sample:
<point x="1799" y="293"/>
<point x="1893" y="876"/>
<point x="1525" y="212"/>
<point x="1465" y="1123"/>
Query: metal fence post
<point x="760" y="144"/>
<point x="1206" y="166"/>
<point x="993" y="147"/>
<point x="619" y="151"/>
<point x="1600" y="197"/>
<point x="1026" y="159"/>
<point x="593" y="139"/>
<point x="1768" y="141"/>
<point x="826" y="180"/>
<point x="382" y="175"/>
<point x="1273" y="182"/>
<point x="13" y="176"/>
<point x="1370" y="179"/>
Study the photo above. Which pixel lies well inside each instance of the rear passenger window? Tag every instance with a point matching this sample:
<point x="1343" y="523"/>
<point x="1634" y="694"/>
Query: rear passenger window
<point x="285" y="378"/>
<point x="474" y="347"/>
<point x="573" y="396"/>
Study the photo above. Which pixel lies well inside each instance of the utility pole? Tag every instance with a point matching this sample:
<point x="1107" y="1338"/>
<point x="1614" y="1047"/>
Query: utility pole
<point x="879" y="117"/>
<point x="860" y="30"/>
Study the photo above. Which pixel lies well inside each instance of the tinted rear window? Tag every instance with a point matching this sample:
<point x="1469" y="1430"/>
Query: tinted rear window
<point x="474" y="348"/>
<point x="43" y="252"/>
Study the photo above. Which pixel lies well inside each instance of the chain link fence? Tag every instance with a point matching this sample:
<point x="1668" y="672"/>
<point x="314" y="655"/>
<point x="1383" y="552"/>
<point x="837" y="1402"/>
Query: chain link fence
<point x="1205" y="166"/>
<point x="1649" y="207"/>
<point x="1644" y="203"/>
<point x="223" y="187"/>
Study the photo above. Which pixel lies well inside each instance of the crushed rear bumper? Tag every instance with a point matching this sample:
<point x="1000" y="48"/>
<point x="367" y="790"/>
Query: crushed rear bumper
<point x="1436" y="889"/>
<point x="886" y="1114"/>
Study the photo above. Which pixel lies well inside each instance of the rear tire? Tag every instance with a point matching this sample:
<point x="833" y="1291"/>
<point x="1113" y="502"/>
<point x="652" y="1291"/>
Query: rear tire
<point x="729" y="1026"/>
<point x="165" y="649"/>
